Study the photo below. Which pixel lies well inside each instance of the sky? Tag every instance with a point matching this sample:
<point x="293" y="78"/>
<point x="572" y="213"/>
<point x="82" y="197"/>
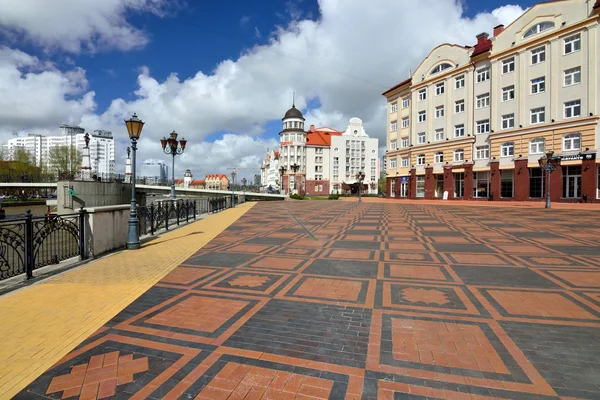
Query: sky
<point x="220" y="73"/>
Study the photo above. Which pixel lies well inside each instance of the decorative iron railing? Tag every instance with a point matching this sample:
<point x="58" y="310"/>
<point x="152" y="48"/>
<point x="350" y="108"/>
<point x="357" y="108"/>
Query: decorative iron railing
<point x="28" y="243"/>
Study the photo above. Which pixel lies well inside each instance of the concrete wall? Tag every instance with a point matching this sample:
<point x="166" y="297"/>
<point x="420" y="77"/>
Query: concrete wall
<point x="106" y="229"/>
<point x="91" y="194"/>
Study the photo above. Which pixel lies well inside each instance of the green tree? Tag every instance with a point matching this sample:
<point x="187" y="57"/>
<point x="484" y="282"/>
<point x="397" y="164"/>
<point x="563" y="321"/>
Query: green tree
<point x="382" y="183"/>
<point x="64" y="161"/>
<point x="3" y="154"/>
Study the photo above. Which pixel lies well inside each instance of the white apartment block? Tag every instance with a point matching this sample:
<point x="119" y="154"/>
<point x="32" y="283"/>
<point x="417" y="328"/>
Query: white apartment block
<point x="102" y="147"/>
<point x="269" y="172"/>
<point x="472" y="122"/>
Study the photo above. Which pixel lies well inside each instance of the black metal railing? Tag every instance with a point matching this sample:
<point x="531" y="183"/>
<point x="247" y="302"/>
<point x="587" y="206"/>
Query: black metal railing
<point x="28" y="243"/>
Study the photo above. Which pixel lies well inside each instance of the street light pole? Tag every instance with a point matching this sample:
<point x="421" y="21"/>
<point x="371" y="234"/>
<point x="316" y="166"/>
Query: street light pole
<point x="281" y="173"/>
<point x="233" y="174"/>
<point x="360" y="176"/>
<point x="134" y="128"/>
<point x="549" y="163"/>
<point x="174" y="147"/>
<point x="295" y="167"/>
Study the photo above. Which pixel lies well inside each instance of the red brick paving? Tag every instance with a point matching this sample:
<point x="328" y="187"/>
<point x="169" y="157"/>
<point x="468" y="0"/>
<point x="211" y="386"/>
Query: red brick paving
<point x="436" y="300"/>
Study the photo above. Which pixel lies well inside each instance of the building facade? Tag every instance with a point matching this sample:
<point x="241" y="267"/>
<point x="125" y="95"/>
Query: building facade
<point x="102" y="147"/>
<point x="269" y="172"/>
<point x="216" y="182"/>
<point x="472" y="122"/>
<point x="323" y="161"/>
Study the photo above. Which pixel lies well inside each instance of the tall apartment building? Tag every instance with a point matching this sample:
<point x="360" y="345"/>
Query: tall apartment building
<point x="472" y="122"/>
<point x="269" y="172"/>
<point x="102" y="147"/>
<point x="328" y="160"/>
<point x="155" y="172"/>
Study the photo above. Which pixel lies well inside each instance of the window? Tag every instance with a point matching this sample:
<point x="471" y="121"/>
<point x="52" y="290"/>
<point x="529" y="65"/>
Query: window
<point x="440" y="68"/>
<point x="507" y="149"/>
<point x="421" y="137"/>
<point x="439" y="157"/>
<point x="404" y="142"/>
<point x="393" y="126"/>
<point x="508" y="65"/>
<point x="537" y="146"/>
<point x="483" y="100"/>
<point x="536" y="183"/>
<point x="393" y="145"/>
<point x="573" y="109"/>
<point x="481" y="187"/>
<point x="538" y="55"/>
<point x="459" y="130"/>
<point x="420" y="186"/>
<point x="459" y="106"/>
<point x="405" y="122"/>
<point x="572" y="44"/>
<point x="405" y="102"/>
<point x="538" y="115"/>
<point x="439" y="135"/>
<point x="571" y="181"/>
<point x="508" y="93"/>
<point x="483" y="152"/>
<point x="423" y="94"/>
<point x="538" y="85"/>
<point x="459" y="82"/>
<point x="572" y="76"/>
<point x="506" y="183"/>
<point x="421" y="159"/>
<point x="508" y="121"/>
<point x="393" y="163"/>
<point x="422" y="116"/>
<point x="459" y="184"/>
<point x="439" y="111"/>
<point x="534" y="30"/>
<point x="394" y="106"/>
<point x="483" y="126"/>
<point x="439" y="88"/>
<point x="393" y="188"/>
<point x="571" y="142"/>
<point x="483" y="75"/>
<point x="404" y="162"/>
<point x="459" y="155"/>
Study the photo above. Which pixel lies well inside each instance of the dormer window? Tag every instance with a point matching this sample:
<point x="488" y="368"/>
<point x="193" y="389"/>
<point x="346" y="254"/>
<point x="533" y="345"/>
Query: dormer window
<point x="538" y="28"/>
<point x="439" y="68"/>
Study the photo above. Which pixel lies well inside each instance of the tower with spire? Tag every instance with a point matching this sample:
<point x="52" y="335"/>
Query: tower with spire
<point x="292" y="147"/>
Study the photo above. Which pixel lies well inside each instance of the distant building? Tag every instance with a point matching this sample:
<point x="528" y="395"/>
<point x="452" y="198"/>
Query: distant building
<point x="155" y="172"/>
<point x="257" y="180"/>
<point x="102" y="147"/>
<point x="217" y="182"/>
<point x="269" y="172"/>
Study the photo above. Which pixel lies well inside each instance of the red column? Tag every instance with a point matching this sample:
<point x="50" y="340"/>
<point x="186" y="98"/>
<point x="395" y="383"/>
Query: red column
<point x="556" y="185"/>
<point x="388" y="190"/>
<point x="429" y="183"/>
<point x="521" y="182"/>
<point x="412" y="184"/>
<point x="397" y="194"/>
<point x="495" y="179"/>
<point x="588" y="179"/>
<point x="449" y="181"/>
<point x="468" y="181"/>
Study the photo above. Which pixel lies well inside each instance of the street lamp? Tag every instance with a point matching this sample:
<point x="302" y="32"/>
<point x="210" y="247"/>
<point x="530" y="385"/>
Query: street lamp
<point x="174" y="147"/>
<point x="134" y="128"/>
<point x="295" y="167"/>
<point x="360" y="177"/>
<point x="233" y="174"/>
<point x="549" y="163"/>
<point x="244" y="180"/>
<point x="281" y="173"/>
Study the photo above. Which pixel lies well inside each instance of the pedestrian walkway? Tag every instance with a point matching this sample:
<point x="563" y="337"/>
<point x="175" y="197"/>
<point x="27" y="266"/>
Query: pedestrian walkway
<point x="42" y="323"/>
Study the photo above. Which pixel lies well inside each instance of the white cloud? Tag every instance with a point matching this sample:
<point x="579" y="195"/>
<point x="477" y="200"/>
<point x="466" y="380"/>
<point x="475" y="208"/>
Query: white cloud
<point x="76" y="25"/>
<point x="346" y="59"/>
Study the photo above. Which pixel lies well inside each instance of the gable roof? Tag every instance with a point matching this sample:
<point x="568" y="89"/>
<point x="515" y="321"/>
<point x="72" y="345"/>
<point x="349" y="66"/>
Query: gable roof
<point x="397" y="86"/>
<point x="320" y="136"/>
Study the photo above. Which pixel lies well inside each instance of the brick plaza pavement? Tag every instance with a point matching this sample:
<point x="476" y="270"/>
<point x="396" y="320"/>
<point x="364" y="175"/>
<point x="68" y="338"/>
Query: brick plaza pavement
<point x="374" y="301"/>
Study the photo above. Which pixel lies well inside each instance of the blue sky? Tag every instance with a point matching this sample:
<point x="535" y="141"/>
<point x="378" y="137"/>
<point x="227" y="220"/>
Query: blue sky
<point x="121" y="58"/>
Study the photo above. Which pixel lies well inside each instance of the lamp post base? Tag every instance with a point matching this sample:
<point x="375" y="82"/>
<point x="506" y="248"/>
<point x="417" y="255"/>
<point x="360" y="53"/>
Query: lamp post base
<point x="548" y="202"/>
<point x="133" y="236"/>
<point x="173" y="192"/>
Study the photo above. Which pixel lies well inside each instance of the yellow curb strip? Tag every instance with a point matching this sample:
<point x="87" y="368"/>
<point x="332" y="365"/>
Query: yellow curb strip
<point x="43" y="322"/>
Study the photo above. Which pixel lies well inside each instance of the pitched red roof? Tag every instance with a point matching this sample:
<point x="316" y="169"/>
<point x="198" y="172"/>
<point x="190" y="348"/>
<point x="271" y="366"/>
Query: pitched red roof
<point x="178" y="180"/>
<point x="198" y="182"/>
<point x="219" y="176"/>
<point x="397" y="86"/>
<point x="483" y="44"/>
<point x="320" y="136"/>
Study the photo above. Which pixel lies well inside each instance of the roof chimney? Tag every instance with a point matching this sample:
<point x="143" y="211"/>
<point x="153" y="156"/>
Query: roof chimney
<point x="481" y="38"/>
<point x="498" y="29"/>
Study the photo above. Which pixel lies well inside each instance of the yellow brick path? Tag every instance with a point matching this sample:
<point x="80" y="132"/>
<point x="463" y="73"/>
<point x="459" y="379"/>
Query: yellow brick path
<point x="42" y="323"/>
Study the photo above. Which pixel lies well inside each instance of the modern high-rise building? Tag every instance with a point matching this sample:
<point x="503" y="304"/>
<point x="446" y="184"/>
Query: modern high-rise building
<point x="155" y="172"/>
<point x="473" y="122"/>
<point x="102" y="147"/>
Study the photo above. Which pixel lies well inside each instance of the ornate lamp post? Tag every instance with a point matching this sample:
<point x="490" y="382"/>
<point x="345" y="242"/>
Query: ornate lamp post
<point x="174" y="147"/>
<point x="549" y="163"/>
<point x="360" y="177"/>
<point x="134" y="128"/>
<point x="281" y="173"/>
<point x="244" y="180"/>
<point x="233" y="174"/>
<point x="295" y="169"/>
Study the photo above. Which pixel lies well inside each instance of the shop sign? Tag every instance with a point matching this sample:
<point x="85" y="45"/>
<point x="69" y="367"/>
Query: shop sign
<point x="576" y="157"/>
<point x="404" y="179"/>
